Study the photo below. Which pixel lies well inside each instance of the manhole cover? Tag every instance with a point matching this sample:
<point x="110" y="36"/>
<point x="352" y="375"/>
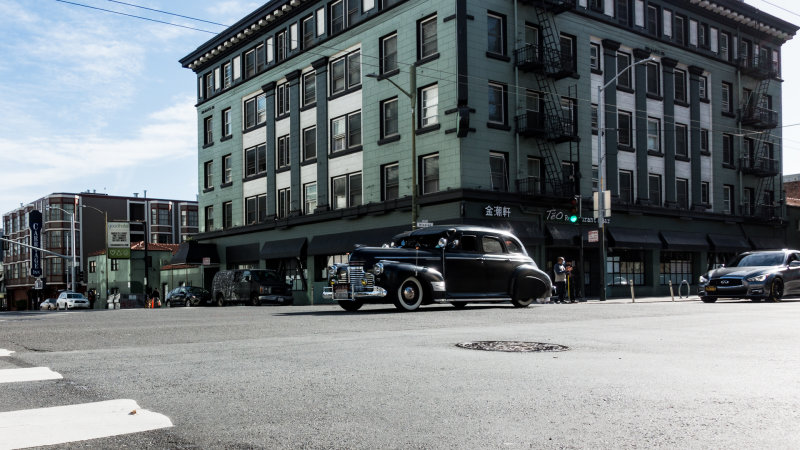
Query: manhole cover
<point x="513" y="346"/>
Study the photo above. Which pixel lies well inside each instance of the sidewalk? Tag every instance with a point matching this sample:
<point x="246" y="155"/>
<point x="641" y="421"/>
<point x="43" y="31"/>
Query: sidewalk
<point x="617" y="300"/>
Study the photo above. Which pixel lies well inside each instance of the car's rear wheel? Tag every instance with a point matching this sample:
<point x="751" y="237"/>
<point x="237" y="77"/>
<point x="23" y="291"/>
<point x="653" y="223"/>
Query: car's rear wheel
<point x="351" y="306"/>
<point x="707" y="299"/>
<point x="776" y="290"/>
<point x="409" y="295"/>
<point x="521" y="303"/>
<point x="220" y="300"/>
<point x="254" y="301"/>
<point x="459" y="305"/>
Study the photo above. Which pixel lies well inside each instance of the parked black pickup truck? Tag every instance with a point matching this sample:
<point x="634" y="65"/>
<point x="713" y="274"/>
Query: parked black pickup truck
<point x="456" y="264"/>
<point x="250" y="286"/>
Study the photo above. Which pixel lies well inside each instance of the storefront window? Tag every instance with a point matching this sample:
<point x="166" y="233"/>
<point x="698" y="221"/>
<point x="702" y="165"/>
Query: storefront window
<point x="624" y="266"/>
<point x="675" y="267"/>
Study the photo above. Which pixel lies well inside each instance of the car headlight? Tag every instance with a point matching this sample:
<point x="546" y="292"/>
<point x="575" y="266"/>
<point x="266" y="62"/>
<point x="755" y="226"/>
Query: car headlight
<point x="377" y="269"/>
<point x="332" y="271"/>
<point x="758" y="278"/>
<point x="703" y="279"/>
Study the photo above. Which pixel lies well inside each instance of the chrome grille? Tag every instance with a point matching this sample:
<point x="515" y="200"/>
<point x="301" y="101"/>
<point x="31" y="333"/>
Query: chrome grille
<point x="356" y="274"/>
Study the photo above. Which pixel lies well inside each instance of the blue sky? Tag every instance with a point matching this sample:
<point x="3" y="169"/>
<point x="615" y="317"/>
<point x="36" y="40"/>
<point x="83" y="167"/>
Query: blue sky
<point x="92" y="100"/>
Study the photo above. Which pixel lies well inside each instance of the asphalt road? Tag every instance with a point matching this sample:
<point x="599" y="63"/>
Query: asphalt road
<point x="643" y="375"/>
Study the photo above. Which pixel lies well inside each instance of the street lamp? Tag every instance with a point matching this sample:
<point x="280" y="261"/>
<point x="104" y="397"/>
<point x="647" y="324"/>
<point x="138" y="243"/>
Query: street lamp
<point x="411" y="93"/>
<point x="72" y="230"/>
<point x="601" y="169"/>
<point x="105" y="216"/>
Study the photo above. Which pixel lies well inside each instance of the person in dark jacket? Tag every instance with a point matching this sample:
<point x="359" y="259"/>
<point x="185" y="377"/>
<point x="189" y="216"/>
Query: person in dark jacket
<point x="560" y="279"/>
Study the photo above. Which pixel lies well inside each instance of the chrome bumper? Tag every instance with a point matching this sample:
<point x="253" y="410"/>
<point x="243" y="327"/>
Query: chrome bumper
<point x="328" y="293"/>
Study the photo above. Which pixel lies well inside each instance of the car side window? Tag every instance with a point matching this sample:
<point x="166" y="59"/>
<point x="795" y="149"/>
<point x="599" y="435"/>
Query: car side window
<point x="512" y="246"/>
<point x="492" y="245"/>
<point x="469" y="243"/>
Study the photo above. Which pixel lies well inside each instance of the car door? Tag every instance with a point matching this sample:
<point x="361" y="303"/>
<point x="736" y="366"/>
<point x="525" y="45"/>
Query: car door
<point x="463" y="269"/>
<point x="792" y="275"/>
<point x="496" y="263"/>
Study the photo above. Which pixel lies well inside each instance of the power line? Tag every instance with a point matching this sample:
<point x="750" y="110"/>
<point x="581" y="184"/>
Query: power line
<point x="135" y="16"/>
<point x="169" y="13"/>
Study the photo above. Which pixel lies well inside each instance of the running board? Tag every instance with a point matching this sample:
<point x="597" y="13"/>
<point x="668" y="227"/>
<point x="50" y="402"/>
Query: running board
<point x="472" y="300"/>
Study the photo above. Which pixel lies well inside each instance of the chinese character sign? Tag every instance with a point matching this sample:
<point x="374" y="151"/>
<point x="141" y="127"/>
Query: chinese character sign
<point x="497" y="211"/>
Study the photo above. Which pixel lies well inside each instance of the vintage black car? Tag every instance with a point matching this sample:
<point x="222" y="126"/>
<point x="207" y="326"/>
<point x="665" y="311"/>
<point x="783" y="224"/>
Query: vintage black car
<point x="455" y="264"/>
<point x="759" y="275"/>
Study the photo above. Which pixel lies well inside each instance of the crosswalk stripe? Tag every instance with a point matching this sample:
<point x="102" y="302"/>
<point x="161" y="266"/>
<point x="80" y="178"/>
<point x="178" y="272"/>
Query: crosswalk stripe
<point x="74" y="423"/>
<point x="28" y="374"/>
<point x="4" y="352"/>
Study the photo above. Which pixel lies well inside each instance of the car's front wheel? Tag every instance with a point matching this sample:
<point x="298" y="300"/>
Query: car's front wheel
<point x="707" y="299"/>
<point x="521" y="303"/>
<point x="409" y="295"/>
<point x="254" y="301"/>
<point x="776" y="290"/>
<point x="220" y="300"/>
<point x="350" y="305"/>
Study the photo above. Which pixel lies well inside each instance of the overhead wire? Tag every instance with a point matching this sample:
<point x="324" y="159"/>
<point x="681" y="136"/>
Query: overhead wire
<point x="161" y="11"/>
<point x="135" y="16"/>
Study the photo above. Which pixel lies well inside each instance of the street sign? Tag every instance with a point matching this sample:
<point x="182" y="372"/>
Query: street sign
<point x="206" y="260"/>
<point x="424" y="224"/>
<point x="35" y="224"/>
<point x="119" y="240"/>
<point x="593" y="236"/>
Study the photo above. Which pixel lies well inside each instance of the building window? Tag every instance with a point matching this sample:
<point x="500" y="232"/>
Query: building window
<point x="310" y="143"/>
<point x="704" y="141"/>
<point x="653" y="79"/>
<point x="255" y="111"/>
<point x="498" y="168"/>
<point x="320" y="21"/>
<point x="747" y="201"/>
<point x="255" y="160"/>
<point x="623" y="68"/>
<point x="681" y="140"/>
<point x="227" y="170"/>
<point x="679" y="30"/>
<point x="256" y="209"/>
<point x="497" y="103"/>
<point x="594" y="118"/>
<point x="346" y="190"/>
<point x="704" y="192"/>
<point x="596" y="5"/>
<point x="284" y="202"/>
<point x="568" y="51"/>
<point x="337" y="16"/>
<point x="308" y="31"/>
<point x="346" y="72"/>
<point x="675" y="267"/>
<point x="114" y="264"/>
<point x="429" y="106"/>
<point x="430" y="174"/>
<point x="652" y="20"/>
<point x="388" y="52"/>
<point x="701" y="89"/>
<point x="682" y="192"/>
<point x="426" y="38"/>
<point x="594" y="56"/>
<point x="702" y="35"/>
<point x="625" y="129"/>
<point x="227" y="75"/>
<point x="208" y="174"/>
<point x="346" y="132"/>
<point x="92" y="266"/>
<point x="227" y="215"/>
<point x="209" y="216"/>
<point x="626" y="186"/>
<point x="390" y="179"/>
<point x="309" y="198"/>
<point x="309" y="88"/>
<point x="727" y="101"/>
<point x="282" y="157"/>
<point x="226" y="123"/>
<point x="724" y="44"/>
<point x="389" y="124"/>
<point x="680" y="85"/>
<point x="282" y="99"/>
<point x="653" y="135"/>
<point x="250" y="63"/>
<point x="625" y="266"/>
<point x="624" y="11"/>
<point x="727" y="149"/>
<point x="209" y="84"/>
<point x="654" y="184"/>
<point x="727" y="198"/>
<point x="496" y="30"/>
<point x="208" y="130"/>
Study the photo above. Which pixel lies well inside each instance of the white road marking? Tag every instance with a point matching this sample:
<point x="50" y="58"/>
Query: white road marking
<point x="72" y="423"/>
<point x="28" y="374"/>
<point x="4" y="352"/>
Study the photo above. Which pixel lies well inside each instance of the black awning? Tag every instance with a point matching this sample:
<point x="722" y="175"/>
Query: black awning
<point x="193" y="252"/>
<point x="634" y="238"/>
<point x="767" y="243"/>
<point x="563" y="235"/>
<point x="686" y="241"/>
<point x="286" y="248"/>
<point x="245" y="253"/>
<point x="341" y="243"/>
<point x="728" y="242"/>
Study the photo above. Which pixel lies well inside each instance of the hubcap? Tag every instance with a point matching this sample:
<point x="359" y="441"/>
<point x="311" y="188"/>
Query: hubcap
<point x="409" y="293"/>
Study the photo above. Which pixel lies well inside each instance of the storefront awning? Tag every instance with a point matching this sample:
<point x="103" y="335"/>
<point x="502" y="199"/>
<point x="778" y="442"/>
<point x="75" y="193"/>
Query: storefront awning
<point x="246" y="253"/>
<point x="286" y="248"/>
<point x="341" y="243"/>
<point x="767" y="243"/>
<point x="728" y="242"/>
<point x="685" y="241"/>
<point x="193" y="252"/>
<point x="562" y="235"/>
<point x="634" y="238"/>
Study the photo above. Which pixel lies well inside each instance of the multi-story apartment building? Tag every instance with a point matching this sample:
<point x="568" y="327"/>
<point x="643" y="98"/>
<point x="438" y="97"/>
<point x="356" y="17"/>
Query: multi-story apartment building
<point x="318" y="119"/>
<point x="166" y="221"/>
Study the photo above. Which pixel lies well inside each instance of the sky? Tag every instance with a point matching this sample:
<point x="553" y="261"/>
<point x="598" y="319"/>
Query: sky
<point x="96" y="101"/>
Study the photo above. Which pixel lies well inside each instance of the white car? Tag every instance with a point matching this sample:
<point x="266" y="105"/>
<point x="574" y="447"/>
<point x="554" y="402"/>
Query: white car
<point x="70" y="300"/>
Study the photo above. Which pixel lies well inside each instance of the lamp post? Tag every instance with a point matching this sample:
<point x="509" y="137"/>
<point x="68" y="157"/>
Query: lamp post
<point x="411" y="93"/>
<point x="601" y="169"/>
<point x="105" y="220"/>
<point x="72" y="230"/>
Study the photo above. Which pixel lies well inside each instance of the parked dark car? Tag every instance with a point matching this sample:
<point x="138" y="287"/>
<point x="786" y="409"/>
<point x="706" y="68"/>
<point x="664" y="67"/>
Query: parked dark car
<point x="759" y="275"/>
<point x="188" y="296"/>
<point x="456" y="264"/>
<point x="250" y="286"/>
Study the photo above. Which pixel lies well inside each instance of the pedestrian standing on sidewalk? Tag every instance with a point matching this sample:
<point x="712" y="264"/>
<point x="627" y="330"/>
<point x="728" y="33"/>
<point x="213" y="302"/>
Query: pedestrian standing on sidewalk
<point x="560" y="272"/>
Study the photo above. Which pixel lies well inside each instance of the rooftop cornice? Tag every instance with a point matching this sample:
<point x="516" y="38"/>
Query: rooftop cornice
<point x="749" y="16"/>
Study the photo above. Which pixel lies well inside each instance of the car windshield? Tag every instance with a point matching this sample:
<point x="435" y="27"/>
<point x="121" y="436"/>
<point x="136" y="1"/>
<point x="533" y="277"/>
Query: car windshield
<point x="758" y="259"/>
<point x="263" y="276"/>
<point x="426" y="242"/>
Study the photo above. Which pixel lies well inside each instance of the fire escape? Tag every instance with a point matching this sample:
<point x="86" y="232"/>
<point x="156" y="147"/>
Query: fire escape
<point x="552" y="120"/>
<point x="758" y="119"/>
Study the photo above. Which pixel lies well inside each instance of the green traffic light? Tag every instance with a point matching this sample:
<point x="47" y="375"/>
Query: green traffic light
<point x="573" y="218"/>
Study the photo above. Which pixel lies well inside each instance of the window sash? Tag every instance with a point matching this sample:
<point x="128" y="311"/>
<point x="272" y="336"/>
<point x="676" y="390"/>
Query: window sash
<point x="389" y="118"/>
<point x="389" y="53"/>
<point x="655" y="189"/>
<point x="625" y="131"/>
<point x="495" y="25"/>
<point x="430" y="174"/>
<point x="309" y="143"/>
<point x="497" y="103"/>
<point x="681" y="140"/>
<point x="309" y="88"/>
<point x="283" y="152"/>
<point x="309" y="198"/>
<point x="338" y="76"/>
<point x="626" y="186"/>
<point x="391" y="182"/>
<point x="623" y="62"/>
<point x="498" y="170"/>
<point x="654" y="135"/>
<point x="430" y="102"/>
<point x="428" y="39"/>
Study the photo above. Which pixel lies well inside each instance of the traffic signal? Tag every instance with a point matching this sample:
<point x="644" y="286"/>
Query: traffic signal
<point x="573" y="212"/>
